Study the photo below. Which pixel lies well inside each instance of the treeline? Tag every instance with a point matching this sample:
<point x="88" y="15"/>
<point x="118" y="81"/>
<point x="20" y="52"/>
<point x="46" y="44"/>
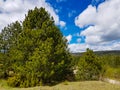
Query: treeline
<point x="35" y="53"/>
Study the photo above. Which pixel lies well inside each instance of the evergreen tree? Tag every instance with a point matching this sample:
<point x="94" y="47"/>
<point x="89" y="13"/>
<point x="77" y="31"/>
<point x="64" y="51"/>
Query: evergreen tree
<point x="90" y="66"/>
<point x="8" y="39"/>
<point x="41" y="54"/>
<point x="9" y="36"/>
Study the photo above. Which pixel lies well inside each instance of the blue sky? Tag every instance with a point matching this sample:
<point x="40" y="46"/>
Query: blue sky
<point x="68" y="10"/>
<point x="93" y="24"/>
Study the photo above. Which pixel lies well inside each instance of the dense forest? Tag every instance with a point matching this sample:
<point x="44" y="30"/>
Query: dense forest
<point x="34" y="52"/>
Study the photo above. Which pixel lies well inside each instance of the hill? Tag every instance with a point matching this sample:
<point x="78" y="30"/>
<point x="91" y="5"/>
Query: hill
<point x="116" y="52"/>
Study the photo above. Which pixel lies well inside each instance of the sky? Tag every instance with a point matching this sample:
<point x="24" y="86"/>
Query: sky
<point x="93" y="24"/>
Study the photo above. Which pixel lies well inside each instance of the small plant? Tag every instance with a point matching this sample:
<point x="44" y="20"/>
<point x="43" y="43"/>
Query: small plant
<point x="65" y="82"/>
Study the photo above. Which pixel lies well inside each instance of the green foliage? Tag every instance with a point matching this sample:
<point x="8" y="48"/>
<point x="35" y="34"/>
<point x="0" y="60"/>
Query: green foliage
<point x="37" y="18"/>
<point x="89" y="66"/>
<point x="2" y="72"/>
<point x="66" y="82"/>
<point x="35" y="53"/>
<point x="14" y="81"/>
<point x="8" y="39"/>
<point x="112" y="60"/>
<point x="40" y="55"/>
<point x="112" y="63"/>
<point x="113" y="73"/>
<point x="9" y="36"/>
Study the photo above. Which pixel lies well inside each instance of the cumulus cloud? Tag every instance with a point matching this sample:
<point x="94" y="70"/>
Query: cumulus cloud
<point x="69" y="38"/>
<point x="86" y="17"/>
<point x="77" y="47"/>
<point x="105" y="21"/>
<point x="12" y="10"/>
<point x="62" y="23"/>
<point x="100" y="47"/>
<point x="104" y="24"/>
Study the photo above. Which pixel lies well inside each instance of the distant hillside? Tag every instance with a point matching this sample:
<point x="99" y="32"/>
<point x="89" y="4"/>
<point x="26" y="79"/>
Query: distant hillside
<point x="117" y="52"/>
<point x="108" y="52"/>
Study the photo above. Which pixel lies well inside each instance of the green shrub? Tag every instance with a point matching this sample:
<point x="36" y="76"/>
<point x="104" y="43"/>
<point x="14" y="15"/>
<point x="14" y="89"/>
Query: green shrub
<point x="14" y="81"/>
<point x="113" y="73"/>
<point x="65" y="82"/>
<point x="89" y="67"/>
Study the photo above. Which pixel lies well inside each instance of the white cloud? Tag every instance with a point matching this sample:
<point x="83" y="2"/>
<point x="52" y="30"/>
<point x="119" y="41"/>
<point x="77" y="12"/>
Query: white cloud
<point x="62" y="23"/>
<point x="13" y="10"/>
<point x="92" y="34"/>
<point x="105" y="25"/>
<point x="100" y="47"/>
<point x="87" y="17"/>
<point x="77" y="47"/>
<point x="69" y="38"/>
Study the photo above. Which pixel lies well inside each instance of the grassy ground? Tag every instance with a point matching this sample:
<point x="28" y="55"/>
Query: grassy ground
<point x="85" y="85"/>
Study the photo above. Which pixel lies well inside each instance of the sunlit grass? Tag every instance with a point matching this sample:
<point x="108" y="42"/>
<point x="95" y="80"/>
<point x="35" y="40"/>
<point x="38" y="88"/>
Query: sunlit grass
<point x="85" y="85"/>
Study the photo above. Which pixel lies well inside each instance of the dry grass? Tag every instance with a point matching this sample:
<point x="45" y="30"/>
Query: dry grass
<point x="85" y="85"/>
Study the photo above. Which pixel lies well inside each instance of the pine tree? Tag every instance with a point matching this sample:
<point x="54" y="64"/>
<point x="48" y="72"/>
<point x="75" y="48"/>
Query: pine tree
<point x="90" y="66"/>
<point x="8" y="39"/>
<point x="41" y="52"/>
<point x="9" y="36"/>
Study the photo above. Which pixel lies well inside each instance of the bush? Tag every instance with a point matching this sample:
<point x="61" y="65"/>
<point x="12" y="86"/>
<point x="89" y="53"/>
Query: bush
<point x="89" y="67"/>
<point x="14" y="81"/>
<point x="22" y="81"/>
<point x="113" y="73"/>
<point x="65" y="82"/>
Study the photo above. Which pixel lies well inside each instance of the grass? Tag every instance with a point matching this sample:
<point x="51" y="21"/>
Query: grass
<point x="85" y="85"/>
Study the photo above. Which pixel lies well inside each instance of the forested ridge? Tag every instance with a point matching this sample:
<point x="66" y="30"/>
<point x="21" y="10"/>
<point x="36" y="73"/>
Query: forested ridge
<point x="115" y="52"/>
<point x="34" y="52"/>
